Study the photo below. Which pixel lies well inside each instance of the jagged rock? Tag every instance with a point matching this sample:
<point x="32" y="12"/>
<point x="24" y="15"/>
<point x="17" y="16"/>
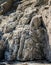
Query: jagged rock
<point x="28" y="14"/>
<point x="8" y="4"/>
<point x="12" y="17"/>
<point x="30" y="11"/>
<point x="30" y="50"/>
<point x="9" y="27"/>
<point x="46" y="18"/>
<point x="25" y="4"/>
<point x="13" y="44"/>
<point x="11" y="50"/>
<point x="24" y="20"/>
<point x="21" y="47"/>
<point x="37" y="23"/>
<point x="19" y="14"/>
<point x="29" y="2"/>
<point x="25" y="31"/>
<point x="7" y="36"/>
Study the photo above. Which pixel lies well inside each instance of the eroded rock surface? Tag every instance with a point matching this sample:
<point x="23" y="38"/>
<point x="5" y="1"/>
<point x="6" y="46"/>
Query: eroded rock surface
<point x="47" y="17"/>
<point x="25" y="31"/>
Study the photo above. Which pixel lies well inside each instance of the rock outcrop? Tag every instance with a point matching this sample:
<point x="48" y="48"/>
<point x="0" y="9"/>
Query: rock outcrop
<point x="46" y="17"/>
<point x="25" y="31"/>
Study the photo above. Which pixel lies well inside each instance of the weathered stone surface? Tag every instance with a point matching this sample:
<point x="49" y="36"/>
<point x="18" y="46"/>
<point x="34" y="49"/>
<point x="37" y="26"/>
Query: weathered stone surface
<point x="9" y="27"/>
<point x="25" y="30"/>
<point x="26" y="43"/>
<point x="30" y="50"/>
<point x="29" y="2"/>
<point x="46" y="18"/>
<point x="28" y="14"/>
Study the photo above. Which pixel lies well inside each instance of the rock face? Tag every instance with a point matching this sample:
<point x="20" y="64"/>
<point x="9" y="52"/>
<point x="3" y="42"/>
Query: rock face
<point x="25" y="32"/>
<point x="47" y="17"/>
<point x="7" y="5"/>
<point x="27" y="43"/>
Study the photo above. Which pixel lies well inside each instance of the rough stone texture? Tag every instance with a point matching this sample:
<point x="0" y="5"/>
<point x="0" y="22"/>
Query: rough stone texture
<point x="47" y="17"/>
<point x="25" y="31"/>
<point x="18" y="43"/>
